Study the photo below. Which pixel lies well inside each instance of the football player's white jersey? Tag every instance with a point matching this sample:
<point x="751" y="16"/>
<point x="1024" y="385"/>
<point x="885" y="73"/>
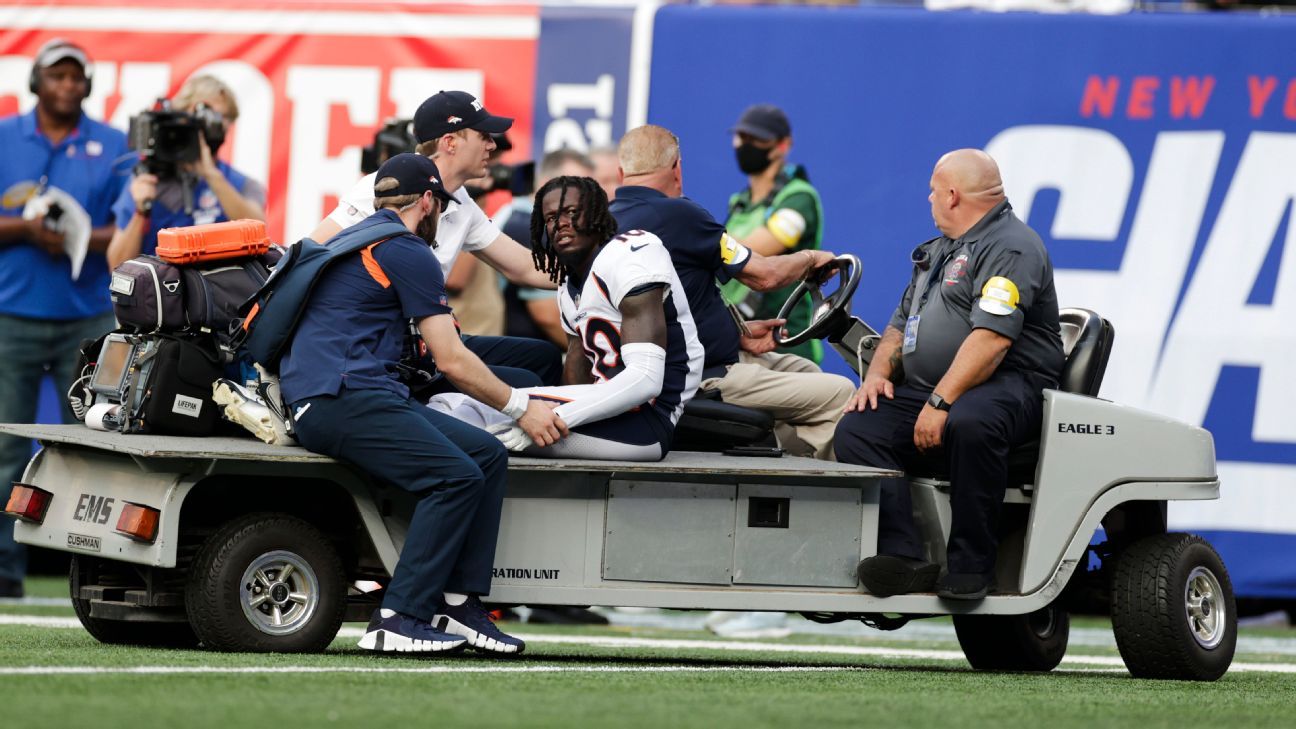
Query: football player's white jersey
<point x="631" y="263"/>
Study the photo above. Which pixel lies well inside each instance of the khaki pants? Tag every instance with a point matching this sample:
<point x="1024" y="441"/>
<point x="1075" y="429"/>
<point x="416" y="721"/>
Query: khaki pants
<point x="806" y="403"/>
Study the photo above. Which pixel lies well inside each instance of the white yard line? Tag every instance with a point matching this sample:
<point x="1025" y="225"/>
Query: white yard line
<point x="599" y="641"/>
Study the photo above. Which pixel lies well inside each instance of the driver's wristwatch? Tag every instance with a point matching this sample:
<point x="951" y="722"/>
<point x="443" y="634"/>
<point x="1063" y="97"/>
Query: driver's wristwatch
<point x="938" y="402"/>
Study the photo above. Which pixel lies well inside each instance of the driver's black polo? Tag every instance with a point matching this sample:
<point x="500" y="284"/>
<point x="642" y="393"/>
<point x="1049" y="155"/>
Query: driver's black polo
<point x="998" y="277"/>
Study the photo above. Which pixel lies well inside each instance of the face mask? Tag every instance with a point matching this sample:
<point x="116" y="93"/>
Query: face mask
<point x="752" y="159"/>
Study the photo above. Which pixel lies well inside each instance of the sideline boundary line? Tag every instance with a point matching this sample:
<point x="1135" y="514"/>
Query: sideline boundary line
<point x="1108" y="663"/>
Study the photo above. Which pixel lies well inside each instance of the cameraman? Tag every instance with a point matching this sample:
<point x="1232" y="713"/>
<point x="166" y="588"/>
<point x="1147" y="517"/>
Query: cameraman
<point x="205" y="191"/>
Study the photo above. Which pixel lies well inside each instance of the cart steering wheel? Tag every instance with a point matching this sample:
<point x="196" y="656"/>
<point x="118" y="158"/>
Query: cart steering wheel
<point x="828" y="311"/>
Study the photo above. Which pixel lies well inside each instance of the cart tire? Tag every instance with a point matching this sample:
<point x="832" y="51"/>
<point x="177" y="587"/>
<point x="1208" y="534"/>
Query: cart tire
<point x="1172" y="609"/>
<point x="124" y="632"/>
<point x="267" y="583"/>
<point x="1032" y="642"/>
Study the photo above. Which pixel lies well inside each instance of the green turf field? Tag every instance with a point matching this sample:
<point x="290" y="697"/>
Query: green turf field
<point x="55" y="675"/>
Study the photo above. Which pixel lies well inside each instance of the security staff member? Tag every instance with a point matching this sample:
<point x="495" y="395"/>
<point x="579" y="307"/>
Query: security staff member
<point x="957" y="380"/>
<point x="53" y="151"/>
<point x="779" y="213"/>
<point x="339" y="376"/>
<point x="804" y="402"/>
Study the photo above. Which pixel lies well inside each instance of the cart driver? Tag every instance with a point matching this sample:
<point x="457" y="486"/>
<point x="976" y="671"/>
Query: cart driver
<point x="957" y="380"/>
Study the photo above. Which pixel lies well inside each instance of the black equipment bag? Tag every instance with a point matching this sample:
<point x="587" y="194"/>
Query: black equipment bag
<point x="214" y="293"/>
<point x="151" y="295"/>
<point x="147" y="295"/>
<point x="170" y="387"/>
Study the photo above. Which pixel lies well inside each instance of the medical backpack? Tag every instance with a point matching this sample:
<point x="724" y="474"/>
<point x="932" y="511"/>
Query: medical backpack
<point x="271" y="315"/>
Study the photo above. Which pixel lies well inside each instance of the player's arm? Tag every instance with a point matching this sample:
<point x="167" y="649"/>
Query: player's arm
<point x="513" y="260"/>
<point x="473" y="378"/>
<point x="577" y="369"/>
<point x="643" y="356"/>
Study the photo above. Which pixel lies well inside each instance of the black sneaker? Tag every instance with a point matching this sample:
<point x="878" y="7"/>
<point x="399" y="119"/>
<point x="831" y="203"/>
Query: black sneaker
<point x="392" y="631"/>
<point x="885" y="575"/>
<point x="473" y="622"/>
<point x="964" y="586"/>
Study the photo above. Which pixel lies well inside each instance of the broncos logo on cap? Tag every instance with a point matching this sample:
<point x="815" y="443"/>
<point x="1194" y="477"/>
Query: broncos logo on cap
<point x="453" y="120"/>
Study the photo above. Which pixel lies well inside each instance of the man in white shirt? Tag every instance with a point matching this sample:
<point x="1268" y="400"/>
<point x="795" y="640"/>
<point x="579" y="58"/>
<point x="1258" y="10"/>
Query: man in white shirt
<point x="454" y="129"/>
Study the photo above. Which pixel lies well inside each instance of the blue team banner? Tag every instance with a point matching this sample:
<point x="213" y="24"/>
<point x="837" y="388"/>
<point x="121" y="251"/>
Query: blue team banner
<point x="1155" y="154"/>
<point x="582" y="77"/>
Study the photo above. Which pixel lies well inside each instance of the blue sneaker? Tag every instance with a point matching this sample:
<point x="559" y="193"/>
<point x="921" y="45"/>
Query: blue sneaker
<point x="392" y="631"/>
<point x="472" y="622"/>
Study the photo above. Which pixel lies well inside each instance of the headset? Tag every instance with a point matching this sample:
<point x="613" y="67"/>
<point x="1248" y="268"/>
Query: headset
<point x="33" y="82"/>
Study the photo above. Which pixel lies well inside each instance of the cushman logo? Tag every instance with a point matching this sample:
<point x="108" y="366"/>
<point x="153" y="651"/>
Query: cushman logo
<point x="81" y="541"/>
<point x="477" y="105"/>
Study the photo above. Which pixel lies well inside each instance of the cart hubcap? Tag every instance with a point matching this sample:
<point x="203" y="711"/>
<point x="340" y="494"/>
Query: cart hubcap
<point x="1204" y="602"/>
<point x="279" y="593"/>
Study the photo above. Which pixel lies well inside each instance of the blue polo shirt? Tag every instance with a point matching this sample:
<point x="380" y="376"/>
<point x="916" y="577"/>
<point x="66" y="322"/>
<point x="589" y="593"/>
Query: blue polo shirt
<point x="697" y="248"/>
<point x="169" y="206"/>
<point x="352" y="331"/>
<point x="92" y="165"/>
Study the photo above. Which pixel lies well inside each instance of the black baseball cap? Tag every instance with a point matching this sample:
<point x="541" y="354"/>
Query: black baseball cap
<point x="415" y="173"/>
<point x="450" y="111"/>
<point x="57" y="49"/>
<point x="764" y="121"/>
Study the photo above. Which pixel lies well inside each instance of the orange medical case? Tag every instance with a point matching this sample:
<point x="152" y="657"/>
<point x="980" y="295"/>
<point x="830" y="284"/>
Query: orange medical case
<point x="213" y="241"/>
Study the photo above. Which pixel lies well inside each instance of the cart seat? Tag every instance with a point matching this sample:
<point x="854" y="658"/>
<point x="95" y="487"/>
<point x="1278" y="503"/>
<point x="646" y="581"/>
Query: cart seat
<point x="1086" y="341"/>
<point x="710" y="424"/>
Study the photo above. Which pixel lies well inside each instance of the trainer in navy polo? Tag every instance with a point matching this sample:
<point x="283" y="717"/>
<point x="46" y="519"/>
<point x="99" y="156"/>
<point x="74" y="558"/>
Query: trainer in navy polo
<point x="353" y="336"/>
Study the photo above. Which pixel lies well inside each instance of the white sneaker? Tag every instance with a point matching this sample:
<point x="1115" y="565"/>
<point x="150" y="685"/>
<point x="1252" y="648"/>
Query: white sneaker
<point x="753" y="625"/>
<point x="243" y="407"/>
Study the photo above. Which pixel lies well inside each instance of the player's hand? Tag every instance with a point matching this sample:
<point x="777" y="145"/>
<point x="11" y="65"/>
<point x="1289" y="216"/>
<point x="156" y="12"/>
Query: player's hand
<point x="542" y="424"/>
<point x="143" y="189"/>
<point x="929" y="428"/>
<point x="50" y="241"/>
<point x="866" y="398"/>
<point x="762" y="338"/>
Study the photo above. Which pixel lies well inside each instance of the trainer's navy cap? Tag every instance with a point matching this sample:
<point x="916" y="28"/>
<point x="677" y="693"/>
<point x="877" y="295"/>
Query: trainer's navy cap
<point x="415" y="174"/>
<point x="450" y="111"/>
<point x="57" y="49"/>
<point x="764" y="121"/>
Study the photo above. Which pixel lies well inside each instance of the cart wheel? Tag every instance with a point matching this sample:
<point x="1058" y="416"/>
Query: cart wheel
<point x="123" y="632"/>
<point x="1172" y="609"/>
<point x="267" y="583"/>
<point x="1033" y="642"/>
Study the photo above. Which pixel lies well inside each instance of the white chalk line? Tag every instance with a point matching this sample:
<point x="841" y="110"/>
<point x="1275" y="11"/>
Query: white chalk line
<point x="1113" y="663"/>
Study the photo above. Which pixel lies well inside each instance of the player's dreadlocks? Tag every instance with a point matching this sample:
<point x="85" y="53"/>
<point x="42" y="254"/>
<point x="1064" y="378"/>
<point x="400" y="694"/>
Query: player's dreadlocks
<point x="594" y="218"/>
